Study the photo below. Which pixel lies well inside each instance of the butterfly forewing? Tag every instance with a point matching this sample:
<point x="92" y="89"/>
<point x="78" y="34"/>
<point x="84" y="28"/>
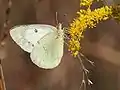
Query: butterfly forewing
<point x="26" y="36"/>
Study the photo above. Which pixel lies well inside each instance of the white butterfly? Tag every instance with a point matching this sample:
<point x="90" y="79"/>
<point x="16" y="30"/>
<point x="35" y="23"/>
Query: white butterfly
<point x="44" y="43"/>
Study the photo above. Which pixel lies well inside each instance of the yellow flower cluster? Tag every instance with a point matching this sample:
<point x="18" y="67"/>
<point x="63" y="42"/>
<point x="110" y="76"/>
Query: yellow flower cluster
<point x="116" y="13"/>
<point x="86" y="2"/>
<point x="85" y="19"/>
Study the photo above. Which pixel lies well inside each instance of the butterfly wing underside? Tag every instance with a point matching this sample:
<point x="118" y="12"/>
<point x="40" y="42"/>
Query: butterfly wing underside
<point x="48" y="52"/>
<point x="26" y="36"/>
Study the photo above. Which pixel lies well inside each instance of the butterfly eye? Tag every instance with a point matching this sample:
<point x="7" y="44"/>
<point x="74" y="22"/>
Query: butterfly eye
<point x="36" y="30"/>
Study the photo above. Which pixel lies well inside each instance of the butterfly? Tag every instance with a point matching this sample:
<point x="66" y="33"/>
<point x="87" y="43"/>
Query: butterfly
<point x="45" y="43"/>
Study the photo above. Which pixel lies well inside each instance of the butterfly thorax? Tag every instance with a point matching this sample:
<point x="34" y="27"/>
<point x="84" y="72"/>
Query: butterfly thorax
<point x="60" y="32"/>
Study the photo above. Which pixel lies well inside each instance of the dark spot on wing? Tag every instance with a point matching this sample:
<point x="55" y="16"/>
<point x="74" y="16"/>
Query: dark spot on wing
<point x="33" y="60"/>
<point x="44" y="48"/>
<point x="32" y="45"/>
<point x="36" y="30"/>
<point x="38" y="42"/>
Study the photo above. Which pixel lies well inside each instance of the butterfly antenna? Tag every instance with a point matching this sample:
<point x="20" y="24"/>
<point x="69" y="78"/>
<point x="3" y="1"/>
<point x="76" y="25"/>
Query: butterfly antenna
<point x="59" y="25"/>
<point x="56" y="17"/>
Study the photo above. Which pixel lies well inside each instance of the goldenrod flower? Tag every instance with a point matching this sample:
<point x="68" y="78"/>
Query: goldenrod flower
<point x="85" y="19"/>
<point x="86" y="2"/>
<point x="116" y="13"/>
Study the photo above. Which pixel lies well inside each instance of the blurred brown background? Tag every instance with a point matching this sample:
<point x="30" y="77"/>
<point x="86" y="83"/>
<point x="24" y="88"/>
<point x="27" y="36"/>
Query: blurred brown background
<point x="100" y="45"/>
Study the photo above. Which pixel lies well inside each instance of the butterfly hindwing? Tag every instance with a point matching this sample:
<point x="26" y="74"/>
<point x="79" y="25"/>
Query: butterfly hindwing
<point x="48" y="52"/>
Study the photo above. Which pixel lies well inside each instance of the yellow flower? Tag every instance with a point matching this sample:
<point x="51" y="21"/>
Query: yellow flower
<point x="86" y="2"/>
<point x="116" y="13"/>
<point x="85" y="19"/>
